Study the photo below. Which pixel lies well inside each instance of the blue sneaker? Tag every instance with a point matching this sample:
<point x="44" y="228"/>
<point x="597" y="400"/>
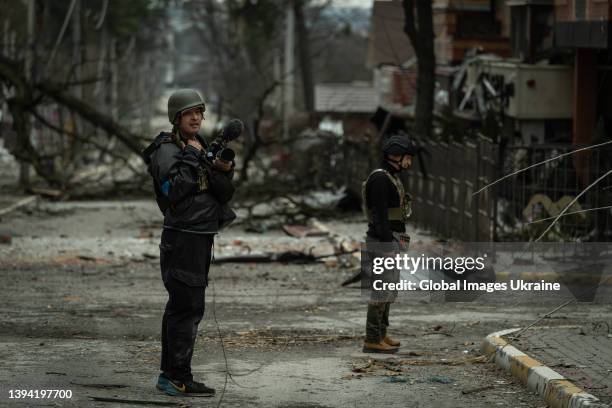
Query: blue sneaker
<point x="162" y="382"/>
<point x="187" y="389"/>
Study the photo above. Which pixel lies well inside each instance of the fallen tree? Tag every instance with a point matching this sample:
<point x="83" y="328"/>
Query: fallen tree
<point x="28" y="95"/>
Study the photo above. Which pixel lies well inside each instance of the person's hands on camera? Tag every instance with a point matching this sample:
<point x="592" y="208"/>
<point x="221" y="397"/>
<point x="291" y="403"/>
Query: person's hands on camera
<point x="222" y="165"/>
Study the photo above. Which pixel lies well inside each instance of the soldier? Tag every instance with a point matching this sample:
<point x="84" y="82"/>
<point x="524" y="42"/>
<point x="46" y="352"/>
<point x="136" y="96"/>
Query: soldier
<point x="387" y="207"/>
<point x="191" y="192"/>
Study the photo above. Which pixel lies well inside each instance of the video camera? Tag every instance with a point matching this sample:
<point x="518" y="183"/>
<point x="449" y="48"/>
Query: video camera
<point x="218" y="148"/>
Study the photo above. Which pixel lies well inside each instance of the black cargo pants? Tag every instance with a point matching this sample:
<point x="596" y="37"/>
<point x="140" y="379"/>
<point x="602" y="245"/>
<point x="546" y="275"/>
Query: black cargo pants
<point x="185" y="262"/>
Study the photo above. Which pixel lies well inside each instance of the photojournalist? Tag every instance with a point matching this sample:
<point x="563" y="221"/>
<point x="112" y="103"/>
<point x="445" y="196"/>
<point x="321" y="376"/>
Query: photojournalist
<point x="193" y="185"/>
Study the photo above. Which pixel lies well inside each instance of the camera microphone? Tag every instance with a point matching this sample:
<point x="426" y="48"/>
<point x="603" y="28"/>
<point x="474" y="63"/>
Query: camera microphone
<point x="232" y="130"/>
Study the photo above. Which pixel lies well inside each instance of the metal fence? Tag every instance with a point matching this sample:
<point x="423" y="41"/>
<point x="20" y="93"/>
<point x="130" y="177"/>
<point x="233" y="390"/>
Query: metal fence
<point x="538" y="194"/>
<point x="444" y="200"/>
<point x="519" y="208"/>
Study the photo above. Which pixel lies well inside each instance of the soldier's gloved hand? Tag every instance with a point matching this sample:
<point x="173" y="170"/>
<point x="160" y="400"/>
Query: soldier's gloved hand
<point x="404" y="239"/>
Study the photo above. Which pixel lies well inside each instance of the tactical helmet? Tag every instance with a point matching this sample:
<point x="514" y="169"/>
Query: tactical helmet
<point x="184" y="99"/>
<point x="398" y="145"/>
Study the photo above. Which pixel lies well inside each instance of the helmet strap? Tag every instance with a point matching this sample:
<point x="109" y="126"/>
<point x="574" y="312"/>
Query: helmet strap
<point x="397" y="162"/>
<point x="389" y="159"/>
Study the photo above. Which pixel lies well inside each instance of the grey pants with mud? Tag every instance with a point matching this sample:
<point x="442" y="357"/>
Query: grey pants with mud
<point x="377" y="321"/>
<point x="185" y="261"/>
<point x="379" y="303"/>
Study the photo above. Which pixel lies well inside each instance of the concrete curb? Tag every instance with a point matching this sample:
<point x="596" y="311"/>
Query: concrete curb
<point x="556" y="390"/>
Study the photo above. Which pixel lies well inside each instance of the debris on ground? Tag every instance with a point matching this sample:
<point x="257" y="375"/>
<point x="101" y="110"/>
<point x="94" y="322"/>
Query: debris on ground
<point x="54" y="373"/>
<point x="21" y="203"/>
<point x="256" y="228"/>
<point x="5" y="239"/>
<point x="274" y="209"/>
<point x="274" y="339"/>
<point x="100" y="386"/>
<point x="398" y="367"/>
<point x="450" y="362"/>
<point x="355" y="277"/>
<point x="397" y="379"/>
<point x="301" y="231"/>
<point x="477" y="389"/>
<point x="442" y="379"/>
<point x="394" y="367"/>
<point x="283" y="257"/>
<point x="140" y="402"/>
<point x="88" y="258"/>
<point x="48" y="192"/>
<point x="293" y="256"/>
<point x="369" y="366"/>
<point x="438" y="330"/>
<point x="145" y="233"/>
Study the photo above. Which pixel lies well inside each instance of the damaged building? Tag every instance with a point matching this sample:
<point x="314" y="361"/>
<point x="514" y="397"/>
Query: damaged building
<point x="517" y="82"/>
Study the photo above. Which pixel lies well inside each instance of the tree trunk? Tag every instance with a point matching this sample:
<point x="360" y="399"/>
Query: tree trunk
<point x="304" y="54"/>
<point x="419" y="29"/>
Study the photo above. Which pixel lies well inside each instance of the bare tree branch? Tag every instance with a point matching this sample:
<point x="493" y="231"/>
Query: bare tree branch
<point x="24" y="101"/>
<point x="540" y="163"/>
<point x="572" y="203"/>
<point x="91" y="114"/>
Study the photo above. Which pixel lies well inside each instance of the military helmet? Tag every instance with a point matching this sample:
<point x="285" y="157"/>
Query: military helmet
<point x="184" y="99"/>
<point x="398" y="144"/>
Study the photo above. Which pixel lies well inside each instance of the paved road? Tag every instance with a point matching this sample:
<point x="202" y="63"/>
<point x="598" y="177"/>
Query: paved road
<point x="81" y="305"/>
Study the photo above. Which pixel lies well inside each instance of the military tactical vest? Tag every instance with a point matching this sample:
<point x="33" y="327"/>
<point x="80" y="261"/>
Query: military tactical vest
<point x="401" y="213"/>
<point x="160" y="156"/>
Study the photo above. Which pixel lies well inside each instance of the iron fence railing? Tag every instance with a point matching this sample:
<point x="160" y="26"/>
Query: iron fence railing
<point x="444" y="200"/>
<point x="544" y="191"/>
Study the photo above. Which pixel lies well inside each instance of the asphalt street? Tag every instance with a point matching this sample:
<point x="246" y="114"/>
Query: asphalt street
<point x="82" y="299"/>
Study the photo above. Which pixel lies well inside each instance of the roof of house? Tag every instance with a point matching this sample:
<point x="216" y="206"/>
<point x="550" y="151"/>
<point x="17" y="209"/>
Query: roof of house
<point x="353" y="97"/>
<point x="388" y="44"/>
<point x="512" y="3"/>
<point x="465" y="5"/>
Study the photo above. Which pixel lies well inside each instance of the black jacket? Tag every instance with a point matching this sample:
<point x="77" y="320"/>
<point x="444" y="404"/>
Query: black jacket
<point x="381" y="195"/>
<point x="198" y="194"/>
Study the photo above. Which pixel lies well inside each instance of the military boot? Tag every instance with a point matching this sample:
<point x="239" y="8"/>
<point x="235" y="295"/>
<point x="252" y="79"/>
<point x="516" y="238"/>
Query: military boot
<point x="391" y="342"/>
<point x="381" y="347"/>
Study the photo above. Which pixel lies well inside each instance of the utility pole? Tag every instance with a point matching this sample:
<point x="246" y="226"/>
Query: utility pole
<point x="113" y="92"/>
<point x="304" y="55"/>
<point x="3" y="107"/>
<point x="77" y="61"/>
<point x="114" y="74"/>
<point x="76" y="48"/>
<point x="288" y="83"/>
<point x="143" y="91"/>
<point x="277" y="72"/>
<point x="24" y="168"/>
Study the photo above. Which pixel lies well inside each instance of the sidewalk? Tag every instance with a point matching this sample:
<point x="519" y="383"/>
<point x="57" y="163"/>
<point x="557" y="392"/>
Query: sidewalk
<point x="569" y="366"/>
<point x="581" y="354"/>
